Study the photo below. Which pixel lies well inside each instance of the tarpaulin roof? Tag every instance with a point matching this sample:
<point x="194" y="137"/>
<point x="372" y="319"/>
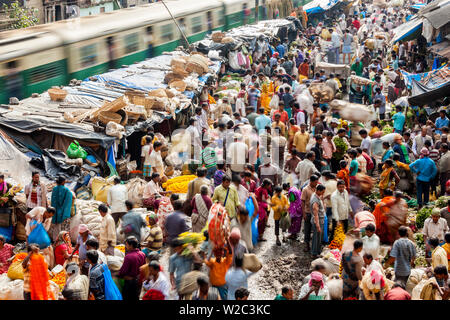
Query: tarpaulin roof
<point x="66" y="129"/>
<point x="440" y="16"/>
<point x="319" y="6"/>
<point x="407" y="30"/>
<point x="442" y="49"/>
<point x="148" y="75"/>
<point x="434" y="78"/>
<point x="422" y="94"/>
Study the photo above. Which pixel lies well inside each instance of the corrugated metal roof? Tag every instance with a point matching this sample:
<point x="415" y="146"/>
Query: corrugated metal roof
<point x="438" y="17"/>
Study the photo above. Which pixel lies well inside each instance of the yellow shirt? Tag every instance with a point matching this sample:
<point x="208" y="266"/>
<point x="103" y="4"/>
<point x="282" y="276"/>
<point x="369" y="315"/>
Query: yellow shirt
<point x="279" y="205"/>
<point x="143" y="140"/>
<point x="281" y="125"/>
<point x="301" y="141"/>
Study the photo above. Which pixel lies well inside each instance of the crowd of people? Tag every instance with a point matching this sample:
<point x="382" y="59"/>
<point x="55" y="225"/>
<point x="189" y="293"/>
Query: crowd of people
<point x="265" y="156"/>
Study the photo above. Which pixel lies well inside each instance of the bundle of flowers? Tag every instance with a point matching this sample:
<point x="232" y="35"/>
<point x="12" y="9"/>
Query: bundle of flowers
<point x="179" y="184"/>
<point x="338" y="240"/>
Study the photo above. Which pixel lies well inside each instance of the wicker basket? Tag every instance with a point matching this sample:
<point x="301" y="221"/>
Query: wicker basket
<point x="227" y="40"/>
<point x="180" y="85"/>
<point x="107" y="116"/>
<point x="178" y="63"/>
<point x="158" y="104"/>
<point x="57" y="94"/>
<point x="217" y="36"/>
<point x="160" y="93"/>
<point x="169" y="93"/>
<point x="115" y="105"/>
<point x="195" y="67"/>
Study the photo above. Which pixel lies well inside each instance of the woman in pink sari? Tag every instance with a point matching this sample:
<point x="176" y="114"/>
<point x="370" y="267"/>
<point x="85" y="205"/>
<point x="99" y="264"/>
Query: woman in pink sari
<point x="263" y="198"/>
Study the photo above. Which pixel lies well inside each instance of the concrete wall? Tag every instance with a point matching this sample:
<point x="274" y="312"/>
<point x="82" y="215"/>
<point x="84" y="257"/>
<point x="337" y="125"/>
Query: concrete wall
<point x="109" y="6"/>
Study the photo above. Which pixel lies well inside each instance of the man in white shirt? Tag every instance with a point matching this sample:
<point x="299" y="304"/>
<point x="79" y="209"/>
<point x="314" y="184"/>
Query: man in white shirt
<point x="107" y="237"/>
<point x="300" y="117"/>
<point x="156" y="160"/>
<point x="336" y="42"/>
<point x="366" y="143"/>
<point x="157" y="280"/>
<point x="117" y="195"/>
<point x="306" y="168"/>
<point x="145" y="156"/>
<point x="340" y="207"/>
<point x="238" y="154"/>
<point x="330" y="188"/>
<point x="419" y="141"/>
<point x="371" y="242"/>
<point x="371" y="264"/>
<point x="434" y="227"/>
<point x="195" y="138"/>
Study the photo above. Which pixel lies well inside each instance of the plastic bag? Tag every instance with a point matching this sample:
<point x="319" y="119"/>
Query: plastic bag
<point x="111" y="290"/>
<point x="285" y="222"/>
<point x="15" y="270"/>
<point x="75" y="151"/>
<point x="325" y="229"/>
<point x="251" y="211"/>
<point x="12" y="291"/>
<point x="7" y="232"/>
<point x="39" y="236"/>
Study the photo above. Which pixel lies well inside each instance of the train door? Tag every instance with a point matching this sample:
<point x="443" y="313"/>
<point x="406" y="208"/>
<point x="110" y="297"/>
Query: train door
<point x="111" y="47"/>
<point x="149" y="41"/>
<point x="13" y="82"/>
<point x="209" y="21"/>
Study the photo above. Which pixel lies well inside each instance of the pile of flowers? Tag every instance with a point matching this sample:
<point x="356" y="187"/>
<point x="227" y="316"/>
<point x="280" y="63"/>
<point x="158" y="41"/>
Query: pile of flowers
<point x="179" y="184"/>
<point x="191" y="242"/>
<point x="338" y="240"/>
<point x="120" y="247"/>
<point x="60" y="279"/>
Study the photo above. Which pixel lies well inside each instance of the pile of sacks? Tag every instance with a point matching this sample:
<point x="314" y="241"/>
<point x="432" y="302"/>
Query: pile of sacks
<point x="135" y="188"/>
<point x="87" y="213"/>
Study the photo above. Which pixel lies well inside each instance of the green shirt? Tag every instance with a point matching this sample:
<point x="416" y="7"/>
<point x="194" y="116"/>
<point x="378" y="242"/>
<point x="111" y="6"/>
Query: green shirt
<point x="280" y="297"/>
<point x="353" y="168"/>
<point x="209" y="158"/>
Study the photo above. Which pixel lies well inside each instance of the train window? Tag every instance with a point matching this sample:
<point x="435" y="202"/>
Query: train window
<point x="88" y="55"/>
<point x="222" y="17"/>
<point x="196" y="24"/>
<point x="46" y="72"/>
<point x="167" y="32"/>
<point x="131" y="43"/>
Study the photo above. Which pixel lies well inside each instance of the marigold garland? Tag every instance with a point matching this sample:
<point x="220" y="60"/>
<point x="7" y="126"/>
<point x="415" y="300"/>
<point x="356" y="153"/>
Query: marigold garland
<point x="338" y="240"/>
<point x="179" y="184"/>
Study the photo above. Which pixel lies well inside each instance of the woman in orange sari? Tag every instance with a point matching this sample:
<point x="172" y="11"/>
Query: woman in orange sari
<point x="381" y="211"/>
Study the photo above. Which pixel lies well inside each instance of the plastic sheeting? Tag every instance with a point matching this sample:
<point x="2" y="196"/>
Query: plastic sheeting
<point x="422" y="94"/>
<point x="52" y="163"/>
<point x="65" y="129"/>
<point x="14" y="163"/>
<point x="317" y="6"/>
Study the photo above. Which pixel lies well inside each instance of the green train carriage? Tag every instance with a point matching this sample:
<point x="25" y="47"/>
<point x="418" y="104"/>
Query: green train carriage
<point x="53" y="54"/>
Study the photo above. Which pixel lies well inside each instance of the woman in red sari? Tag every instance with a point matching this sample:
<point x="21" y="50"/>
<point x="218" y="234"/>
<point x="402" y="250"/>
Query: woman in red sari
<point x="263" y="199"/>
<point x="63" y="248"/>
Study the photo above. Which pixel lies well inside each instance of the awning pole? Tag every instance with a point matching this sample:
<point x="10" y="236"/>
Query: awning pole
<point x="176" y="23"/>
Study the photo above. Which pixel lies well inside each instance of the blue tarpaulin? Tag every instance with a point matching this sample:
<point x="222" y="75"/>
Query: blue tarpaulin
<point x="318" y="6"/>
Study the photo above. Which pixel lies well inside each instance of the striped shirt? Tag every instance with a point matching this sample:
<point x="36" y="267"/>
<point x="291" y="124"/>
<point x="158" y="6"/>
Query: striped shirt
<point x="434" y="155"/>
<point x="209" y="158"/>
<point x="218" y="177"/>
<point x="155" y="239"/>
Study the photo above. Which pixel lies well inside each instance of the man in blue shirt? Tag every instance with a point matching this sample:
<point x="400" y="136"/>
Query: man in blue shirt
<point x="426" y="170"/>
<point x="262" y="121"/>
<point x="280" y="49"/>
<point x="399" y="120"/>
<point x="441" y="122"/>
